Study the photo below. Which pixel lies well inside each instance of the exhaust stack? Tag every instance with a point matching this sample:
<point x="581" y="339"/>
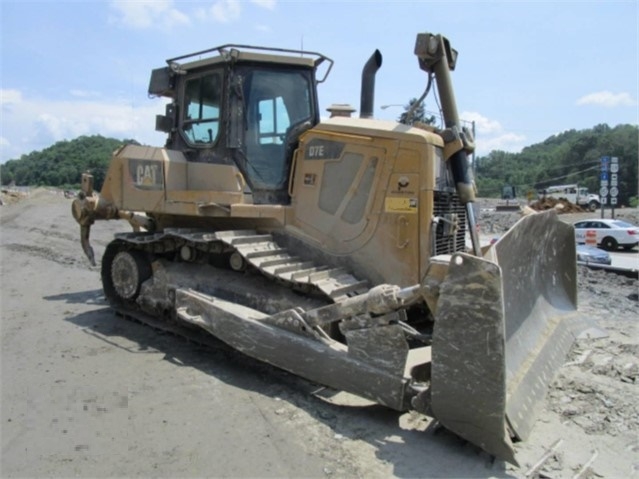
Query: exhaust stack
<point x="367" y="100"/>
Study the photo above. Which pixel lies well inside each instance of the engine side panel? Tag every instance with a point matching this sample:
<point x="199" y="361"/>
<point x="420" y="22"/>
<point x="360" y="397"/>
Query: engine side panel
<point x="340" y="207"/>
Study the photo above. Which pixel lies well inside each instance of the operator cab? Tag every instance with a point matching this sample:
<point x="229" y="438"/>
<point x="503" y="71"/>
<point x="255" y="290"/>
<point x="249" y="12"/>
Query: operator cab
<point x="241" y="107"/>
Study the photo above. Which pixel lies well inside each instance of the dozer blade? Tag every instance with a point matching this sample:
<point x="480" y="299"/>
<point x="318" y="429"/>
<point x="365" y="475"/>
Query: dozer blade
<point x="503" y="326"/>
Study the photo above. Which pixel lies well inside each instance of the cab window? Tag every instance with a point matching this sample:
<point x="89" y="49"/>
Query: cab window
<point x="202" y="100"/>
<point x="274" y="121"/>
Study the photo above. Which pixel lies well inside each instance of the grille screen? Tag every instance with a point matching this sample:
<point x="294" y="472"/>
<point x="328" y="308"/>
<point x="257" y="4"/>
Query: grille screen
<point x="450" y="224"/>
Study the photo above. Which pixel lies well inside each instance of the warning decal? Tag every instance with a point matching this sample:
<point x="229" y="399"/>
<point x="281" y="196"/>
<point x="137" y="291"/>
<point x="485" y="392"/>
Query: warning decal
<point x="400" y="205"/>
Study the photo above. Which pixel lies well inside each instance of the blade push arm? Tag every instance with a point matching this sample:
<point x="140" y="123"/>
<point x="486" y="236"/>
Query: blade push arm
<point x="438" y="58"/>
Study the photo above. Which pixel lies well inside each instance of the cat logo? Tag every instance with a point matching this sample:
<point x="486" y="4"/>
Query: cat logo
<point x="146" y="174"/>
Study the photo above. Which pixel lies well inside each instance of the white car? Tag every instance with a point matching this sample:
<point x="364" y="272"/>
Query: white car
<point x="611" y="234"/>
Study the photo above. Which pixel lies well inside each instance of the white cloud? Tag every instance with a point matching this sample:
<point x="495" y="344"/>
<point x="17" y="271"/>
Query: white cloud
<point x="263" y="28"/>
<point x="10" y="97"/>
<point x="490" y="134"/>
<point x="39" y="123"/>
<point x="141" y="14"/>
<point x="483" y="125"/>
<point x="222" y="11"/>
<point x="227" y="11"/>
<point x="268" y="4"/>
<point x="505" y="142"/>
<point x="4" y="142"/>
<point x="607" y="99"/>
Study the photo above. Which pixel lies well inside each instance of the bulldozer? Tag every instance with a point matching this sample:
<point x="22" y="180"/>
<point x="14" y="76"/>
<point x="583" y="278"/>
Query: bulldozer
<point x="343" y="250"/>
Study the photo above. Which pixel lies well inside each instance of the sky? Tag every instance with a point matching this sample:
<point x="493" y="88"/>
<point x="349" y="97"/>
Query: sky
<point x="525" y="70"/>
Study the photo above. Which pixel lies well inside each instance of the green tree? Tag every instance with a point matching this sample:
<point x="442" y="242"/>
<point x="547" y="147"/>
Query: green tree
<point x="419" y="114"/>
<point x="569" y="157"/>
<point x="63" y="163"/>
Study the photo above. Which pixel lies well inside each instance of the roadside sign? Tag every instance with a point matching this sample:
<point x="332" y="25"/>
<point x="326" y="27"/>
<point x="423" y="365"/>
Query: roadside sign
<point x="591" y="237"/>
<point x="609" y="178"/>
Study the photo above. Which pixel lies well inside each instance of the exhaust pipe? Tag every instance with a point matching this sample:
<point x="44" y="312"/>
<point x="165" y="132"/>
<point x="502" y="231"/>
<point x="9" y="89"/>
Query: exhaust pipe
<point x="368" y="85"/>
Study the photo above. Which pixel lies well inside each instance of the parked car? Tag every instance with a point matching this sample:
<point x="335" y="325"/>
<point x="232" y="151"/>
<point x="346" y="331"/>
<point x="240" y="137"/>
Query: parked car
<point x="611" y="234"/>
<point x="591" y="255"/>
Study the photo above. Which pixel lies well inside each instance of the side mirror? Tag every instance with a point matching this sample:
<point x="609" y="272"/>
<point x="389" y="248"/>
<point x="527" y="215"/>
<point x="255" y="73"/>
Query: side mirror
<point x="161" y="82"/>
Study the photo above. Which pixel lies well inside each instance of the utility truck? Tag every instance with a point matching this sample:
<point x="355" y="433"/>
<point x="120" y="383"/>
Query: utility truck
<point x="574" y="193"/>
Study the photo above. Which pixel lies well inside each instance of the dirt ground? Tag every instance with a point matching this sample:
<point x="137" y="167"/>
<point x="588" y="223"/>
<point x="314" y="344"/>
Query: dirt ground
<point x="87" y="394"/>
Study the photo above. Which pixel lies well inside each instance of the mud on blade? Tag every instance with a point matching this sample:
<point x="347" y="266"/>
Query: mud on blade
<point x="504" y="325"/>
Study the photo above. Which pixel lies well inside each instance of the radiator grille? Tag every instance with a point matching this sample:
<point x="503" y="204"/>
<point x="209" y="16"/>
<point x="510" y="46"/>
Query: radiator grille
<point x="450" y="224"/>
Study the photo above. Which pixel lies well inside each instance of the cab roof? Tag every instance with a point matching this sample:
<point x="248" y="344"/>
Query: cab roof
<point x="247" y="53"/>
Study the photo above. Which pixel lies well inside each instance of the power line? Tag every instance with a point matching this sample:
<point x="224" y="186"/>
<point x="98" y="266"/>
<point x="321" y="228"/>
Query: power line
<point x="526" y="186"/>
<point x="595" y="163"/>
<point x="570" y="174"/>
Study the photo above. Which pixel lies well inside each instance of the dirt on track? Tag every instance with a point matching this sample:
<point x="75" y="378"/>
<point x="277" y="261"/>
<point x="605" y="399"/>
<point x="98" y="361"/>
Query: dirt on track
<point x="88" y="394"/>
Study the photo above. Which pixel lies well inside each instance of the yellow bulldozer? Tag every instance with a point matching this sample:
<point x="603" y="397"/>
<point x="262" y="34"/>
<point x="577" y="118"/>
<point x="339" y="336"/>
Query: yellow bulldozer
<point x="343" y="250"/>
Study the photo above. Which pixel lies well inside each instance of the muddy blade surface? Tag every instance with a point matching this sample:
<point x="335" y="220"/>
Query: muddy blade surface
<point x="539" y="269"/>
<point x="504" y="325"/>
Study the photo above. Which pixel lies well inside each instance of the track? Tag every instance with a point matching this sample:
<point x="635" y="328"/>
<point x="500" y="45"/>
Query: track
<point x="260" y="251"/>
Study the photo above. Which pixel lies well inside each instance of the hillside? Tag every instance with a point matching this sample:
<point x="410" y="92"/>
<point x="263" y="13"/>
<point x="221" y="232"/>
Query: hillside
<point x="63" y="163"/>
<point x="570" y="157"/>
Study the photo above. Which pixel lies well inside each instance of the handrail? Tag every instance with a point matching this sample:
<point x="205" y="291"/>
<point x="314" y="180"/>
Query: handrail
<point x="223" y="52"/>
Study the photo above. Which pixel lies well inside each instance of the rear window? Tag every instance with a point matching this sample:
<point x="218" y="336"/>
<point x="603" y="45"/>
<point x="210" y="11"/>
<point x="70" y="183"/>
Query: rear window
<point x="622" y="224"/>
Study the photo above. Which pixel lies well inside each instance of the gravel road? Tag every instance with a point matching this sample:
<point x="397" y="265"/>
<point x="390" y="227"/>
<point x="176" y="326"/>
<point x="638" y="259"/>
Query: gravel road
<point x="88" y="394"/>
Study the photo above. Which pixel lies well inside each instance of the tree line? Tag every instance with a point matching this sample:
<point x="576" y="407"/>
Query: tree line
<point x="63" y="163"/>
<point x="569" y="157"/>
